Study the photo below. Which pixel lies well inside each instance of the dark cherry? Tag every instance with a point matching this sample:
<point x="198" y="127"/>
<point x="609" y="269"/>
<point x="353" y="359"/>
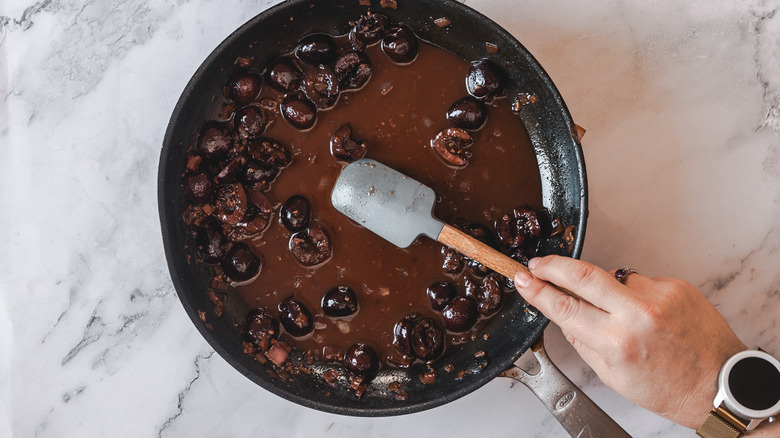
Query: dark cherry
<point x="311" y="246"/>
<point x="256" y="219"/>
<point x="451" y="145"/>
<point x="197" y="188"/>
<point x="210" y="242"/>
<point x="344" y="148"/>
<point x="361" y="359"/>
<point x="260" y="326"/>
<point x="402" y="334"/>
<point x="299" y="111"/>
<point x="295" y="317"/>
<point x="440" y="294"/>
<point x="520" y="227"/>
<point x="230" y="203"/>
<point x="317" y="48"/>
<point x="467" y="113"/>
<point x="353" y="69"/>
<point x="484" y="235"/>
<point x="321" y="86"/>
<point x="453" y="261"/>
<point x="489" y="295"/>
<point x="295" y="213"/>
<point x="283" y="75"/>
<point x="470" y="287"/>
<point x="477" y="231"/>
<point x="369" y="29"/>
<point x="548" y="226"/>
<point x="257" y="175"/>
<point x="242" y="86"/>
<point x="418" y="336"/>
<point x="240" y="263"/>
<point x="339" y="301"/>
<point x="460" y="314"/>
<point x="251" y="121"/>
<point x="269" y="152"/>
<point x="484" y="79"/>
<point x="519" y="255"/>
<point x="229" y="171"/>
<point x="427" y="339"/>
<point x="400" y="44"/>
<point x="214" y="140"/>
<point x="477" y="269"/>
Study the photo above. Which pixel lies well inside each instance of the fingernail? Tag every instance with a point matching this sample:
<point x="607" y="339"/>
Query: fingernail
<point x="533" y="262"/>
<point x="523" y="279"/>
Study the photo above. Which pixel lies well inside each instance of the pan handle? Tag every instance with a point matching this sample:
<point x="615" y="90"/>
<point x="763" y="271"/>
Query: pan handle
<point x="577" y="413"/>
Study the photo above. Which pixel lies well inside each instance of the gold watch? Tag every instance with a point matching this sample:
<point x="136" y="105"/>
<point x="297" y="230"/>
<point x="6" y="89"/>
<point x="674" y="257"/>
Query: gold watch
<point x="748" y="393"/>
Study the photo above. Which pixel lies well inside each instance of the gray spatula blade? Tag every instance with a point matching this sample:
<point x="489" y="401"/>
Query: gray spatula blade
<point x="387" y="202"/>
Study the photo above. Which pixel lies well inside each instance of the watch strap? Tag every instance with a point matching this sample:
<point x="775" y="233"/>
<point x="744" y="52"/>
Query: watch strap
<point x="722" y="424"/>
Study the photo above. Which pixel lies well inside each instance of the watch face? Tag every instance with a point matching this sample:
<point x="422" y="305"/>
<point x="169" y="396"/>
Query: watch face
<point x="755" y="383"/>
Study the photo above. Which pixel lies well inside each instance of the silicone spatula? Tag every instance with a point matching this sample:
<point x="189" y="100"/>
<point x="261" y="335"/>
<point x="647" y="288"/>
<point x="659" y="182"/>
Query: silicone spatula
<point x="400" y="209"/>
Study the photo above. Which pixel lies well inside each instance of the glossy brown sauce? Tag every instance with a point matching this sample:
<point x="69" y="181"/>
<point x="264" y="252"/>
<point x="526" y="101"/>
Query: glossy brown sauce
<point x="398" y="112"/>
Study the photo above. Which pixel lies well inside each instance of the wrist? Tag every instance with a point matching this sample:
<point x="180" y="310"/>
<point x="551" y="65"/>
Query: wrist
<point x="695" y="406"/>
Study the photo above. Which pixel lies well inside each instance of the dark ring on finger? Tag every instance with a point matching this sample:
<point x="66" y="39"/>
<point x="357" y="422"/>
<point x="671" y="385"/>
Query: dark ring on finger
<point x="622" y="274"/>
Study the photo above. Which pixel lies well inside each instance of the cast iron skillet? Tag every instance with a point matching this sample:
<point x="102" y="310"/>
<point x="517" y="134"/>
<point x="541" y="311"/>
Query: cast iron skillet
<point x="549" y="126"/>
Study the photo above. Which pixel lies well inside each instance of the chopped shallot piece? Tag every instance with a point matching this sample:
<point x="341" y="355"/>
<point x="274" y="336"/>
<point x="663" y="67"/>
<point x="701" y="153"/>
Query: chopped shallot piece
<point x="442" y="22"/>
<point x="277" y="354"/>
<point x="392" y="4"/>
<point x="579" y="132"/>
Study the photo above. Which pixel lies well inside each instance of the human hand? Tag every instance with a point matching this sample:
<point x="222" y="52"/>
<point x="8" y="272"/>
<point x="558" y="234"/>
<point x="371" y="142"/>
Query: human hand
<point x="658" y="342"/>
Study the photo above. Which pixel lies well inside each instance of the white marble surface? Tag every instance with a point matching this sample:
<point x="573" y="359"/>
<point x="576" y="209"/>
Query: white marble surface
<point x="681" y="101"/>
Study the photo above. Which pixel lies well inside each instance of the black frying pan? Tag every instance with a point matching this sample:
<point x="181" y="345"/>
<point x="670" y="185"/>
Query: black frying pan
<point x="549" y="126"/>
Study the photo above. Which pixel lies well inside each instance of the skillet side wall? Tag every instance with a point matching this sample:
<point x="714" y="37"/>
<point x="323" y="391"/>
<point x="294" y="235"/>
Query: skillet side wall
<point x="549" y="126"/>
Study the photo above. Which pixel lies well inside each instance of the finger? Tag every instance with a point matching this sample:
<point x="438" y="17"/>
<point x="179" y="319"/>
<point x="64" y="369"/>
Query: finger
<point x="573" y="315"/>
<point x="588" y="281"/>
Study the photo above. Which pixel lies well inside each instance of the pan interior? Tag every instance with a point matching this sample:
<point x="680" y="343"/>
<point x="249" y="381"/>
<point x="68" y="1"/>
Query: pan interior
<point x="547" y="122"/>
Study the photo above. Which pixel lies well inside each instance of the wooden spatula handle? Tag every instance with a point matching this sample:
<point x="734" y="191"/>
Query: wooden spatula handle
<point x="473" y="248"/>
